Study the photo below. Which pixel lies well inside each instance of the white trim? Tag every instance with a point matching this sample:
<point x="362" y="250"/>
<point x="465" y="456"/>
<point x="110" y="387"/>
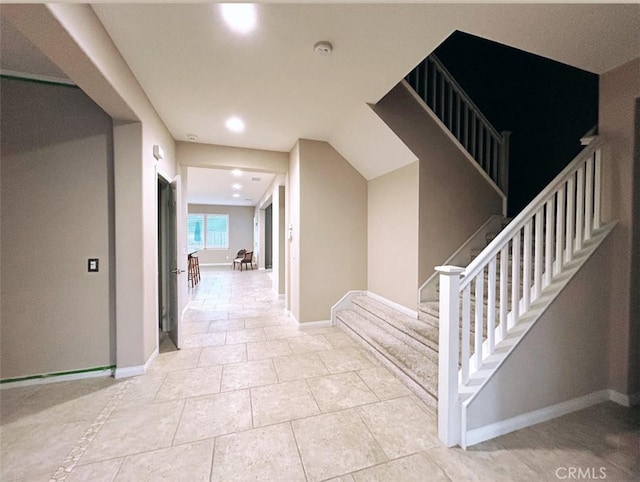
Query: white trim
<point x="314" y="324"/>
<point x="344" y="303"/>
<point x="451" y="136"/>
<point x="134" y="371"/>
<point x="42" y="78"/>
<point x="392" y="304"/>
<point x="479" y="237"/>
<point x="478" y="435"/>
<point x="107" y="372"/>
<point x="309" y="324"/>
<point x="624" y="400"/>
<point x="215" y="264"/>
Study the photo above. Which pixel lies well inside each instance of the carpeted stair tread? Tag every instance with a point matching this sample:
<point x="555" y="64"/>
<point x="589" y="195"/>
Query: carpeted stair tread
<point x="429" y="312"/>
<point x="420" y="335"/>
<point x="414" y="364"/>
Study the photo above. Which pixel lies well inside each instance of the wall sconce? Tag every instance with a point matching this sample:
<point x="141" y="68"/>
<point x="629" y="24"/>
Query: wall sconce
<point x="157" y="152"/>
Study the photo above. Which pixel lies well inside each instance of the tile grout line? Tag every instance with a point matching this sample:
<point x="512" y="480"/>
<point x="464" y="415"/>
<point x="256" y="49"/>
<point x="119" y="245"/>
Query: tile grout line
<point x="81" y="446"/>
<point x="295" y="440"/>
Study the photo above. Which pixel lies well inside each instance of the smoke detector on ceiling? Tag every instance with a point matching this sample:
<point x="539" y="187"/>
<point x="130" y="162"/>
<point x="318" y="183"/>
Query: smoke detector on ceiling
<point x="323" y="48"/>
<point x="192" y="137"/>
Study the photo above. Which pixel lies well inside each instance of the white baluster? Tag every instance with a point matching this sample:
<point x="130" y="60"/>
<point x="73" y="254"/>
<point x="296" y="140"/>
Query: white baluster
<point x="515" y="278"/>
<point x="425" y="80"/>
<point x="466" y="127"/>
<point x="480" y="157"/>
<point x="570" y="219"/>
<point x="448" y="395"/>
<point x="597" y="189"/>
<point x="580" y="209"/>
<point x="465" y="339"/>
<point x="450" y="109"/>
<point x="526" y="268"/>
<point x="537" y="256"/>
<point x="442" y="88"/>
<point x="491" y="307"/>
<point x="504" y="290"/>
<point x="473" y="134"/>
<point x="548" y="242"/>
<point x="479" y="319"/>
<point x="588" y="217"/>
<point x="560" y="210"/>
<point x="458" y="116"/>
<point x="434" y="87"/>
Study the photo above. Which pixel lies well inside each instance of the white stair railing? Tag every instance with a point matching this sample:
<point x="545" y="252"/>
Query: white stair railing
<point x="488" y="298"/>
<point x="444" y="96"/>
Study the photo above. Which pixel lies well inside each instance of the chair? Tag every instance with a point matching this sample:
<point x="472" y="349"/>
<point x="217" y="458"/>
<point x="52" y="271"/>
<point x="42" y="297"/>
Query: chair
<point x="193" y="267"/>
<point x="239" y="258"/>
<point x="248" y="259"/>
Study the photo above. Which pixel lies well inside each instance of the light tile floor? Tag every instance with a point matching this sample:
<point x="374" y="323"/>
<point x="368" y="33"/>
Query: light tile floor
<point x="253" y="397"/>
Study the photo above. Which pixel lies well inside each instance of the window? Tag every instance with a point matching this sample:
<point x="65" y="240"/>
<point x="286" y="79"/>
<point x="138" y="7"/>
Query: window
<point x="208" y="231"/>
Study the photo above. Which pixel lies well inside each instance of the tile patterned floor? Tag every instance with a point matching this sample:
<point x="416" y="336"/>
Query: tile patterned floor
<point x="253" y="397"/>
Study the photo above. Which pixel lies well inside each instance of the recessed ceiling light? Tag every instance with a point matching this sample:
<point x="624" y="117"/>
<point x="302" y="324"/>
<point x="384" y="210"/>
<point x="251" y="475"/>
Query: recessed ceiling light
<point x="235" y="124"/>
<point x="236" y="173"/>
<point x="236" y="196"/>
<point x="236" y="186"/>
<point x="240" y="17"/>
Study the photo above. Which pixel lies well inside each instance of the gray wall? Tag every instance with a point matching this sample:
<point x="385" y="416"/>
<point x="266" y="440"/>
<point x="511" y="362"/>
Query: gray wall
<point x="563" y="356"/>
<point x="619" y="91"/>
<point x="57" y="204"/>
<point x="240" y="232"/>
<point x="455" y="199"/>
<point x="392" y="235"/>
<point x="328" y="213"/>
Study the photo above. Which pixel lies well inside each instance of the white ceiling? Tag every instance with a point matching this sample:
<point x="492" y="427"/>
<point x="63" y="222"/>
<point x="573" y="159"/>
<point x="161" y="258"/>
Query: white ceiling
<point x="196" y="72"/>
<point x="214" y="186"/>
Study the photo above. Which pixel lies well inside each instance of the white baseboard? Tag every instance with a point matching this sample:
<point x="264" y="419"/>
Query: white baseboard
<point x="134" y="371"/>
<point x="314" y="324"/>
<point x="478" y="435"/>
<point x="215" y="264"/>
<point x="54" y="378"/>
<point x="624" y="400"/>
<point x="309" y="324"/>
<point x="393" y="304"/>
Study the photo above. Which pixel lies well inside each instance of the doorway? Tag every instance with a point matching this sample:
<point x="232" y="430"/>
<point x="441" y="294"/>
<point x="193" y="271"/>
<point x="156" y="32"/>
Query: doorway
<point x="268" y="237"/>
<point x="167" y="290"/>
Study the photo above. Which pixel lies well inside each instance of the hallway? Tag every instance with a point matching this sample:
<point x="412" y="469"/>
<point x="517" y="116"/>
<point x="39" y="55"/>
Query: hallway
<point x="253" y="397"/>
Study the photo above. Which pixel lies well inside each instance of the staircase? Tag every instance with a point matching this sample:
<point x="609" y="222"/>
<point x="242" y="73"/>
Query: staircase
<point x="406" y="346"/>
<point x="472" y="314"/>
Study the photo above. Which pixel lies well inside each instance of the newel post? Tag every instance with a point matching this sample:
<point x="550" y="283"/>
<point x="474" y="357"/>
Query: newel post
<point x="448" y="397"/>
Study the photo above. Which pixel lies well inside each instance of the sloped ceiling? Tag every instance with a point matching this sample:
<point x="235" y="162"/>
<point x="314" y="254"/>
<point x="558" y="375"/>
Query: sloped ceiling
<point x="197" y="73"/>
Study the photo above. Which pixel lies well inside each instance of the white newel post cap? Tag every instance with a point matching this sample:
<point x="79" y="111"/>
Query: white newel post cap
<point x="449" y="270"/>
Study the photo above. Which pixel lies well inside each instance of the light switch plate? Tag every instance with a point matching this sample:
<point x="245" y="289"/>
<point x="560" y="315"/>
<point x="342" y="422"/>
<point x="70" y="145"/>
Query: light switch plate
<point x="92" y="265"/>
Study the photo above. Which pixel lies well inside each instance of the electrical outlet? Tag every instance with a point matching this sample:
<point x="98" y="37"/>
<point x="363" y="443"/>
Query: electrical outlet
<point x="92" y="265"/>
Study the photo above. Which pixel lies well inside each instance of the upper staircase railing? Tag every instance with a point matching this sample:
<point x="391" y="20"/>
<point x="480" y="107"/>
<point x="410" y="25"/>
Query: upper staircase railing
<point x="435" y="85"/>
<point x="496" y="291"/>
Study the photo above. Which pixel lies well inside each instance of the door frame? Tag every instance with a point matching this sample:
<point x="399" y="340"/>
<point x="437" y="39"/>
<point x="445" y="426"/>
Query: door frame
<point x="176" y="259"/>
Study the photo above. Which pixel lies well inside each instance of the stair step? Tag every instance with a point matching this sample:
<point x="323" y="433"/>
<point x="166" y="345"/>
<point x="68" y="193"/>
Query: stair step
<point x="429" y="312"/>
<point x="420" y="335"/>
<point x="417" y="371"/>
